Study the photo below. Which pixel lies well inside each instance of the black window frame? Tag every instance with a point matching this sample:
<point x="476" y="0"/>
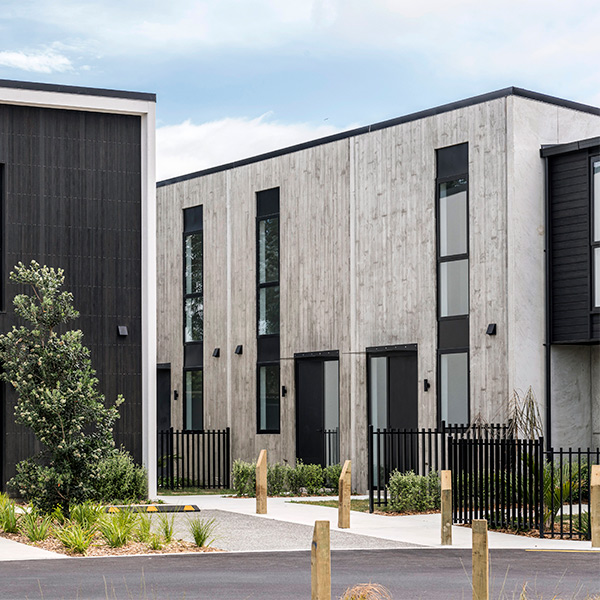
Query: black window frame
<point x="594" y="244"/>
<point x="2" y="238"/>
<point x="187" y="370"/>
<point x="450" y="257"/>
<point x="193" y="350"/>
<point x="454" y="344"/>
<point x="265" y="359"/>
<point x="259" y="365"/>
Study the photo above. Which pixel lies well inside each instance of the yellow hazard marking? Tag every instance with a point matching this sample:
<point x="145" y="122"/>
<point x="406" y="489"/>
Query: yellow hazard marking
<point x="113" y="509"/>
<point x="553" y="550"/>
<point x="152" y="509"/>
<point x="188" y="507"/>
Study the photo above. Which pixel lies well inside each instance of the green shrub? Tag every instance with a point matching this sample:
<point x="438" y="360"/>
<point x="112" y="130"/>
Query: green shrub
<point x="34" y="526"/>
<point x="202" y="531"/>
<point x="117" y="528"/>
<point x="119" y="478"/>
<point x="155" y="542"/>
<point x="413" y="493"/>
<point x="331" y="476"/>
<point x="4" y="501"/>
<point x="277" y="476"/>
<point x="309" y="477"/>
<point x="244" y="478"/>
<point x="87" y="514"/>
<point x="144" y="528"/>
<point x="167" y="527"/>
<point x="9" y="518"/>
<point x="75" y="537"/>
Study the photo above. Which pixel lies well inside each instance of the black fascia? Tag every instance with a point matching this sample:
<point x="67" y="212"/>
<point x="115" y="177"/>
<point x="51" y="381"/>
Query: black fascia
<point x="73" y="89"/>
<point x="430" y="112"/>
<point x="552" y="149"/>
<point x="333" y="354"/>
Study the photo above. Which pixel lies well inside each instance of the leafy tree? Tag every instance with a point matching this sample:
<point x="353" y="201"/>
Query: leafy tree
<point x="58" y="397"/>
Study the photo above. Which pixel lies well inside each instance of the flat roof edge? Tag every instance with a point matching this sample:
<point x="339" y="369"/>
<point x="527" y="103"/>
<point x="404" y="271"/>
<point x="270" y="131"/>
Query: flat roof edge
<point x="444" y="108"/>
<point x="553" y="149"/>
<point x="72" y="89"/>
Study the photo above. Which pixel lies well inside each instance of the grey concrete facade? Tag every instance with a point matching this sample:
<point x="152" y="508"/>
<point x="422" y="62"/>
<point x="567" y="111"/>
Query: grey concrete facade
<point x="358" y="266"/>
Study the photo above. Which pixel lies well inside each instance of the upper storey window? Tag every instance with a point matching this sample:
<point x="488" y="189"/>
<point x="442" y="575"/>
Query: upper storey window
<point x="193" y="276"/>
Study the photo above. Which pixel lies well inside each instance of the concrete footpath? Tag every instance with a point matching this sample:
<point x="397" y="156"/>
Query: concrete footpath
<point x="288" y="526"/>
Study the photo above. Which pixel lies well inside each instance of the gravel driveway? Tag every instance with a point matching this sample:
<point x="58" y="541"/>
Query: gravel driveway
<point x="241" y="532"/>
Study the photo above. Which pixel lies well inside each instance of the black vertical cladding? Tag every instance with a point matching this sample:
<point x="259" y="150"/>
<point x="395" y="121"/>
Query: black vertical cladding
<point x="570" y="217"/>
<point x="72" y="199"/>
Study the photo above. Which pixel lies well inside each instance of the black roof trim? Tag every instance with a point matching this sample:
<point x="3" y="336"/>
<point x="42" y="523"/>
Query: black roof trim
<point x="72" y="89"/>
<point x="551" y="149"/>
<point x="509" y="91"/>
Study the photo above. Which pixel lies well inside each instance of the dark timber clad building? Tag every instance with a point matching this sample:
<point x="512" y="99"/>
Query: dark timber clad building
<point x="77" y="192"/>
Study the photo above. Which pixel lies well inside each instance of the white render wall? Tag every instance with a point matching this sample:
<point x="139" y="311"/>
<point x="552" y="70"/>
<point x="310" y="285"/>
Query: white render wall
<point x="358" y="265"/>
<point x="531" y="124"/>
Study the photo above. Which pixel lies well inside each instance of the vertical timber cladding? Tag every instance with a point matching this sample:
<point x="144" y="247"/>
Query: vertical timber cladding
<point x="73" y="200"/>
<point x="573" y="319"/>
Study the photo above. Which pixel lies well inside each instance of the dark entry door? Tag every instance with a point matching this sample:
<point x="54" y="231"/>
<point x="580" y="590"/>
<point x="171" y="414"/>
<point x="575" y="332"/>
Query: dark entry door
<point x="393" y="405"/>
<point x="163" y="398"/>
<point x="317" y="409"/>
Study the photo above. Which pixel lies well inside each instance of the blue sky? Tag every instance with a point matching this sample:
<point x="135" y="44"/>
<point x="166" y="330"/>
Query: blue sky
<point x="235" y="78"/>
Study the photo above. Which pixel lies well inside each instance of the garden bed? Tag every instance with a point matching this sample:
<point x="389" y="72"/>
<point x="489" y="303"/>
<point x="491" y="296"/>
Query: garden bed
<point x="100" y="548"/>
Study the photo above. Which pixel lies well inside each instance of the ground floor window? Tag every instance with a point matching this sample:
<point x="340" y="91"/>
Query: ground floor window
<point x="193" y="401"/>
<point x="268" y="398"/>
<point x="454" y="387"/>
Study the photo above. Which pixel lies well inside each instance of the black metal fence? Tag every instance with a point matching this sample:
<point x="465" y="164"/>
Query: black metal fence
<point x="417" y="450"/>
<point x="566" y="493"/>
<point x="194" y="459"/>
<point x="499" y="480"/>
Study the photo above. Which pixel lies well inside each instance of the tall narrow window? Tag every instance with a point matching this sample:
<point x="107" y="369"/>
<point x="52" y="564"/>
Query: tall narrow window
<point x="193" y="313"/>
<point x="596" y="230"/>
<point x="453" y="283"/>
<point x="267" y="309"/>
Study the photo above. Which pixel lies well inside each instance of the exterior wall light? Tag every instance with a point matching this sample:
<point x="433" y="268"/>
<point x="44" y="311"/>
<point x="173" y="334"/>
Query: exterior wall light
<point x="217" y="352"/>
<point x="491" y="329"/>
<point x="239" y="349"/>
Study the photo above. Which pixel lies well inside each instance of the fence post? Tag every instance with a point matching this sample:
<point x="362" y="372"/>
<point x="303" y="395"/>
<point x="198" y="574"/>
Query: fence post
<point x="261" y="483"/>
<point x="446" y="508"/>
<point x="344" y="486"/>
<point x="481" y="571"/>
<point x="595" y="505"/>
<point x="320" y="562"/>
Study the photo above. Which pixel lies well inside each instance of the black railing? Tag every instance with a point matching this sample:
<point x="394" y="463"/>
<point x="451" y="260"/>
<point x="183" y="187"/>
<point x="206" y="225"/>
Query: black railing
<point x="417" y="450"/>
<point x="332" y="447"/>
<point x="194" y="459"/>
<point x="498" y="480"/>
<point x="566" y="493"/>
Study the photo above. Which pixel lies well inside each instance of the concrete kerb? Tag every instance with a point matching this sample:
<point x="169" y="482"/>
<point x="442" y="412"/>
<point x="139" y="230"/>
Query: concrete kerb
<point x="421" y="530"/>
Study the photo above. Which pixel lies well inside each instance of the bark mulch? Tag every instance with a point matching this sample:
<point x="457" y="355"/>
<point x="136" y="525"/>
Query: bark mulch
<point x="100" y="548"/>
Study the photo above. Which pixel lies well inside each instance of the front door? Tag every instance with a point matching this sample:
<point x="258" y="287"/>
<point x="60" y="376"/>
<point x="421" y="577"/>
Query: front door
<point x="317" y="408"/>
<point x="163" y="397"/>
<point x="393" y="403"/>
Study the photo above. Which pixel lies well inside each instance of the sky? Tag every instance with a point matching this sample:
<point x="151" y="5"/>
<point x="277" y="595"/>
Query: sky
<point x="236" y="78"/>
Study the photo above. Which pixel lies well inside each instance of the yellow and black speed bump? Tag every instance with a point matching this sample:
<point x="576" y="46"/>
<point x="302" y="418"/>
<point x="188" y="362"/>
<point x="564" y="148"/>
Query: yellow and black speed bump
<point x="153" y="508"/>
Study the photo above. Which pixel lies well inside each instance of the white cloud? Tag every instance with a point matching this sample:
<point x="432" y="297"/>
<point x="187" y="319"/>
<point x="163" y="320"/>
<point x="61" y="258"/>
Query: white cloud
<point x="47" y="61"/>
<point x="187" y="147"/>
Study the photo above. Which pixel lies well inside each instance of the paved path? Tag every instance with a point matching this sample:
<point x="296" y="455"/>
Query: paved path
<point x="409" y="574"/>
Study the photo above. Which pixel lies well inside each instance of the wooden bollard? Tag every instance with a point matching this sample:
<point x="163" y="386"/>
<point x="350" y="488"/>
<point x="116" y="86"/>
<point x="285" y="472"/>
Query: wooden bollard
<point x="320" y="562"/>
<point x="261" y="483"/>
<point x="345" y="489"/>
<point x="595" y="505"/>
<point x="446" y="508"/>
<point x="481" y="568"/>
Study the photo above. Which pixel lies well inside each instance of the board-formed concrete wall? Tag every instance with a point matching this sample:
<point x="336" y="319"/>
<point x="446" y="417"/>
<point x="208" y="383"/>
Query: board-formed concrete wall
<point x="358" y="265"/>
